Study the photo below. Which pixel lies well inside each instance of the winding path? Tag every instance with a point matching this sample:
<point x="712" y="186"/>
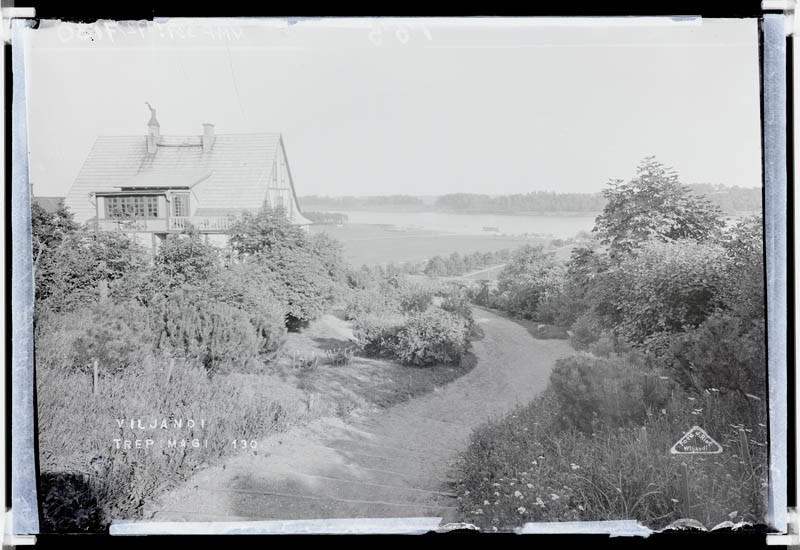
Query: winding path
<point x="394" y="463"/>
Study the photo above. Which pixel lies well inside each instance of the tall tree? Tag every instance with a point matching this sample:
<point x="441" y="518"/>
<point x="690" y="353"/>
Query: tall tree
<point x="654" y="205"/>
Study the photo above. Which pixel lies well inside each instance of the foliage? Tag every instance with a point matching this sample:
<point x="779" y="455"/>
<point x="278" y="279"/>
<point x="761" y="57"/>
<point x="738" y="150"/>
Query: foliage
<point x="654" y="205"/>
<point x="118" y="336"/>
<point x="49" y="229"/>
<point x="184" y="260"/>
<point x="662" y="288"/>
<point x="377" y="335"/>
<point x="267" y="231"/>
<point x="723" y="353"/>
<point x="216" y="335"/>
<point x="743" y="291"/>
<point x="526" y="467"/>
<point x="86" y="480"/>
<point x="432" y="337"/>
<point x="527" y="279"/>
<point x="77" y="269"/>
<point x="594" y="392"/>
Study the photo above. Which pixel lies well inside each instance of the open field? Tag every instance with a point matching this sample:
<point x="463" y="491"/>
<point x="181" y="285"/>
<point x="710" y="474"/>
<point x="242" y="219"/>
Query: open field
<point x="380" y="244"/>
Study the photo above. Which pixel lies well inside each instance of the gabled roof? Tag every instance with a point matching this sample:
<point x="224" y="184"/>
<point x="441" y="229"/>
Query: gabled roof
<point x="238" y="167"/>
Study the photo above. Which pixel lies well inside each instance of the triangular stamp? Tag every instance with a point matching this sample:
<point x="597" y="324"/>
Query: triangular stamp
<point x="696" y="442"/>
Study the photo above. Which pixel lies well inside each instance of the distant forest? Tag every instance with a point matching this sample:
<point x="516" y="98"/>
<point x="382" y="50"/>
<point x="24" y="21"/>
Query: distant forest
<point x="729" y="199"/>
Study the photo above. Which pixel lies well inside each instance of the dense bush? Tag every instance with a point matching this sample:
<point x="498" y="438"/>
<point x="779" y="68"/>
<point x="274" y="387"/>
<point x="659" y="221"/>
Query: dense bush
<point x="723" y="353"/>
<point x="432" y="337"/>
<point x="415" y="298"/>
<point x="457" y="302"/>
<point x="218" y="336"/>
<point x="184" y="260"/>
<point x="84" y="263"/>
<point x="118" y="336"/>
<point x="372" y="301"/>
<point x="377" y="334"/>
<point x="529" y="277"/>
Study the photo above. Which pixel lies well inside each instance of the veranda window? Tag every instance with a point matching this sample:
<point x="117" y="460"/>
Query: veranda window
<point x="180" y="204"/>
<point x="135" y="206"/>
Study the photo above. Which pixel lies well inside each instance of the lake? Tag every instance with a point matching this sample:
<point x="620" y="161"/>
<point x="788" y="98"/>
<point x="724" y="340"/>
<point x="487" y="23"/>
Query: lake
<point x="557" y="226"/>
<point x="381" y="237"/>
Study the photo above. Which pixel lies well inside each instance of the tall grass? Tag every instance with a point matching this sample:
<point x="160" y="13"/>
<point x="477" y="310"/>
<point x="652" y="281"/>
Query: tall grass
<point x="528" y="467"/>
<point x="87" y="480"/>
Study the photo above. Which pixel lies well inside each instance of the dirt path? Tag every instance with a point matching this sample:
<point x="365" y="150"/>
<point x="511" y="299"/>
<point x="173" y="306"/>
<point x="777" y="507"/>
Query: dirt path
<point x="391" y="464"/>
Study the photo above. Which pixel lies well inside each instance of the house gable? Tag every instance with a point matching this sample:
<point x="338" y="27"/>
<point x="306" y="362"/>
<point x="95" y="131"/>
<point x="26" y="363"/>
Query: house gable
<point x="239" y="172"/>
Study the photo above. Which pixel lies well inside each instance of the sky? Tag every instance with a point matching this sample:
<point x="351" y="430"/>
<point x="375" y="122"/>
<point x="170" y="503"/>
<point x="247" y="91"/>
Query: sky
<point x="419" y="107"/>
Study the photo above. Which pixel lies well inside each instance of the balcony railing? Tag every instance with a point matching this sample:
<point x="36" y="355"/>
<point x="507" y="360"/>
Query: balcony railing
<point x="201" y="223"/>
<point x="174" y="223"/>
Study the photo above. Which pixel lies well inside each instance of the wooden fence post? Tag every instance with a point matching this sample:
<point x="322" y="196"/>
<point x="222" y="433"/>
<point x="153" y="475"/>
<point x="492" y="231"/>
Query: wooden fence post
<point x="95" y="376"/>
<point x="687" y="507"/>
<point x="169" y="369"/>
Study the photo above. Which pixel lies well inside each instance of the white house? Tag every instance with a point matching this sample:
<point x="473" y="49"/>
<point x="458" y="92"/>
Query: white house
<point x="152" y="185"/>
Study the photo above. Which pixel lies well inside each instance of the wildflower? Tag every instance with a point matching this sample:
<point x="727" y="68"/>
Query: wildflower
<point x="517" y="494"/>
<point x="496" y="494"/>
<point x="495" y="485"/>
<point x="524" y="473"/>
<point x="539" y="502"/>
<point x="554" y="496"/>
<point x="540" y="457"/>
<point x="690" y="398"/>
<point x="479" y="511"/>
<point x="521" y="510"/>
<point x="675" y="500"/>
<point x="534" y="462"/>
<point x="580" y="507"/>
<point x="486" y="503"/>
<point x="663" y="411"/>
<point x="530" y="485"/>
<point x="466" y="493"/>
<point x="574" y="466"/>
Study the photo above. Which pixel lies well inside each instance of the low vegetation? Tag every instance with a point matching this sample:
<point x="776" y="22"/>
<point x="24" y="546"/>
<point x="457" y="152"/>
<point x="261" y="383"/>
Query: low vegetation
<point x="199" y="333"/>
<point x="666" y="308"/>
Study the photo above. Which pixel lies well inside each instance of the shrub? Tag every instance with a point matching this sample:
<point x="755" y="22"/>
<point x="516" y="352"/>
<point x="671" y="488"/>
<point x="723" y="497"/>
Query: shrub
<point x="456" y="301"/>
<point x="183" y="260"/>
<point x="611" y="392"/>
<point x="118" y="336"/>
<point x="377" y="335"/>
<point x="432" y="337"/>
<point x="415" y="298"/>
<point x="662" y="288"/>
<point x="586" y="329"/>
<point x="527" y="279"/>
<point x="220" y="337"/>
<point x="723" y="353"/>
<point x="371" y="302"/>
<point x="72" y="273"/>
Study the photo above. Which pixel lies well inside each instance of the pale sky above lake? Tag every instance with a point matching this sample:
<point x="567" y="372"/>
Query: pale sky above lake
<point x="489" y="106"/>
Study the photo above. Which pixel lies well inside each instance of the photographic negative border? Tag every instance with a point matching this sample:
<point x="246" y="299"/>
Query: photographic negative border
<point x="774" y="136"/>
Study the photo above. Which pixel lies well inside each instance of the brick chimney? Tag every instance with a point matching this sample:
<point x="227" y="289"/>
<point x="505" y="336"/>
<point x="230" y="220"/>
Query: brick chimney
<point x="208" y="137"/>
<point x="153" y="130"/>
